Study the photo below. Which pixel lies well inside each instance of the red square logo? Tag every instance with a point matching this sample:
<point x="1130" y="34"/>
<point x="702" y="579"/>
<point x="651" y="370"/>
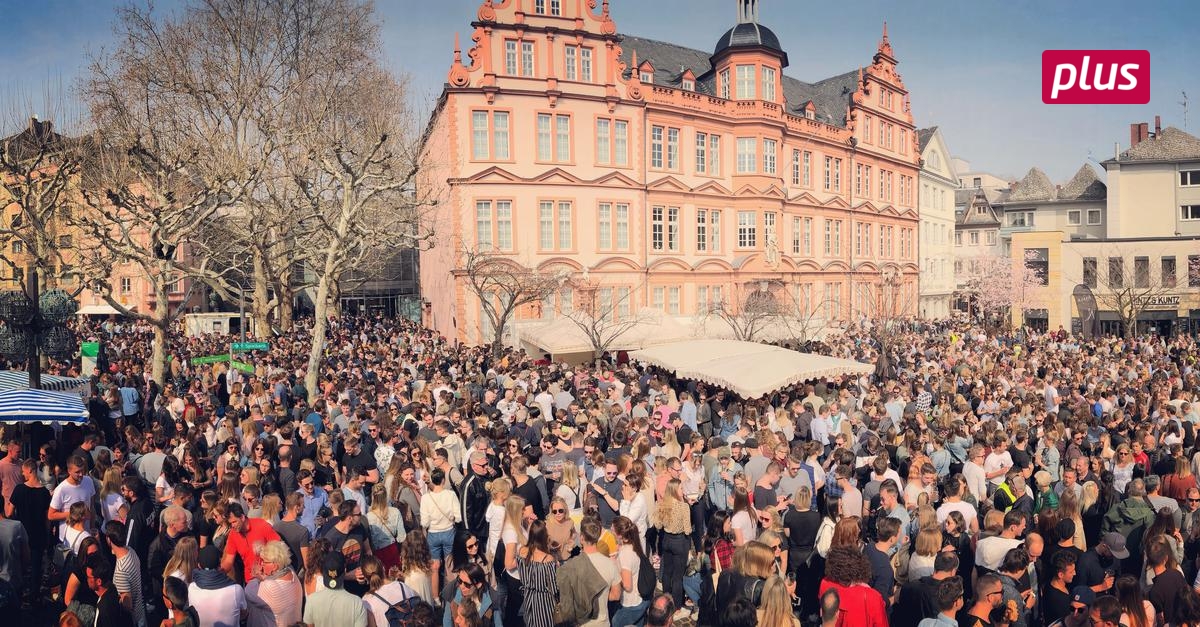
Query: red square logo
<point x="1096" y="76"/>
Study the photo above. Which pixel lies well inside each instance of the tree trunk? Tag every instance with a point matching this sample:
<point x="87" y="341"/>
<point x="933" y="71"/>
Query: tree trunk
<point x="320" y="326"/>
<point x="285" y="308"/>
<point x="161" y="325"/>
<point x="260" y="302"/>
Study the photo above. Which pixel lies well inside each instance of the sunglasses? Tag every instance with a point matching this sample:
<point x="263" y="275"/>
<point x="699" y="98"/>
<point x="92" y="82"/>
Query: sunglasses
<point x="558" y="511"/>
<point x="1193" y="500"/>
<point x="472" y="545"/>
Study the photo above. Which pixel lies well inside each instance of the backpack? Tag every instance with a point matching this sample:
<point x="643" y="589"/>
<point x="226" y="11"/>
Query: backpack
<point x="400" y="613"/>
<point x="646" y="581"/>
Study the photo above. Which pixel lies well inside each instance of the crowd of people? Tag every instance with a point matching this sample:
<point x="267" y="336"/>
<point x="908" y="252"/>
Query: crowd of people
<point x="979" y="478"/>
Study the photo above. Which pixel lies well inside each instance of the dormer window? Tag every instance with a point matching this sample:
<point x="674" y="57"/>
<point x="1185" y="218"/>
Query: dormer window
<point x="646" y="77"/>
<point x="688" y="85"/>
<point x="810" y="114"/>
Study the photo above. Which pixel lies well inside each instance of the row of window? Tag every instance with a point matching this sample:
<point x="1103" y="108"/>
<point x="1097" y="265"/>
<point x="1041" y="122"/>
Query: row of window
<point x="494" y="230"/>
<point x="64" y="241"/>
<point x="973" y="237"/>
<point x="886" y="137"/>
<point x="520" y="59"/>
<point x="617" y="301"/>
<point x="1119" y="278"/>
<point x="748" y="78"/>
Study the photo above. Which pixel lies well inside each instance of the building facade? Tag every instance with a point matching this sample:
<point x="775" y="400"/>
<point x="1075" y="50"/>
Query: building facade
<point x="936" y="197"/>
<point x="1147" y="250"/>
<point x="666" y="177"/>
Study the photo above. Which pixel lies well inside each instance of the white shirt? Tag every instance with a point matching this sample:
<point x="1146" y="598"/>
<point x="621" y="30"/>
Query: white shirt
<point x="995" y="461"/>
<point x="609" y="573"/>
<point x="628" y="560"/>
<point x="976" y="480"/>
<point x="218" y="608"/>
<point x="393" y="593"/>
<point x="66" y="495"/>
<point x="495" y="520"/>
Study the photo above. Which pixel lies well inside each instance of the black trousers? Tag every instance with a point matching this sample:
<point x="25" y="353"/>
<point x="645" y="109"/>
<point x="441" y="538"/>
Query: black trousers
<point x="674" y="548"/>
<point x="699" y="515"/>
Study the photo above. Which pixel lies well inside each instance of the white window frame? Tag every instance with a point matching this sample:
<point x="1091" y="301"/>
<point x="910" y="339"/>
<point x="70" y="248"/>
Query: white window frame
<point x="1189" y="213"/>
<point x="747" y="229"/>
<point x="657" y="137"/>
<point x="747" y="155"/>
<point x="701" y="143"/>
<point x="770" y="147"/>
<point x="1099" y="217"/>
<point x="1075" y="217"/>
<point x="768" y="84"/>
<point x="1189" y="178"/>
<point x="672" y="149"/>
<point x="724" y="85"/>
<point x="745" y="75"/>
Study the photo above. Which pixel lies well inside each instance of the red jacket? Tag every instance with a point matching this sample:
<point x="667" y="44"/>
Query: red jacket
<point x="860" y="605"/>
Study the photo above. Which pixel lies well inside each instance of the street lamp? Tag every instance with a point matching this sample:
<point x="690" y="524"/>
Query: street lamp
<point x="35" y="323"/>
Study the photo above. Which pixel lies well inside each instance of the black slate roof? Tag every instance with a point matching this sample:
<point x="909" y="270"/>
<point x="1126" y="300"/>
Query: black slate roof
<point x="923" y="137"/>
<point x="830" y="96"/>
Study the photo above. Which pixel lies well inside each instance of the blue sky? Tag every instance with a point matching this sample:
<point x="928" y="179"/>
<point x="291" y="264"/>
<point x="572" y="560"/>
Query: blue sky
<point x="974" y="68"/>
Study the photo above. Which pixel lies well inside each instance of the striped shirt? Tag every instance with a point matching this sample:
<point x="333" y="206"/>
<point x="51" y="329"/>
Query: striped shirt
<point x="127" y="578"/>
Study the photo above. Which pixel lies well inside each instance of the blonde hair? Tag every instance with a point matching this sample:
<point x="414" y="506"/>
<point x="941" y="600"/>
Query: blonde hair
<point x="112" y="482"/>
<point x="775" y="610"/>
<point x="271" y="506"/>
<point x="379" y="501"/>
<point x="570" y="476"/>
<point x="514" y="511"/>
<point x="500" y="488"/>
<point x="758" y="560"/>
<point x="929" y="541"/>
<point x="185" y="558"/>
<point x="276" y="553"/>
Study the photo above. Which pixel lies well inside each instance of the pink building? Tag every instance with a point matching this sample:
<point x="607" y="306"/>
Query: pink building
<point x="668" y="177"/>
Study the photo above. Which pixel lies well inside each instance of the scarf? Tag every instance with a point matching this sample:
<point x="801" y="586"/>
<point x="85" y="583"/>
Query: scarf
<point x="213" y="579"/>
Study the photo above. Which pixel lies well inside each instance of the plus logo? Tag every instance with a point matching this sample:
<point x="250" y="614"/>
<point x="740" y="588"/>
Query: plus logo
<point x="1096" y="76"/>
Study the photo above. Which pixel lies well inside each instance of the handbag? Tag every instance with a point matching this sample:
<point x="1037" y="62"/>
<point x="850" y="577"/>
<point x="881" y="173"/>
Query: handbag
<point x="716" y="574"/>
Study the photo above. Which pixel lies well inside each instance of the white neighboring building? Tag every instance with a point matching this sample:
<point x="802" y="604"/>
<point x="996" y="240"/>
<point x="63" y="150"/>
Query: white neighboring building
<point x="936" y="201"/>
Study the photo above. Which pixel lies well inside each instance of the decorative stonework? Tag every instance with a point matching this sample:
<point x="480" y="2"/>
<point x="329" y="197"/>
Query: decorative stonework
<point x="486" y="12"/>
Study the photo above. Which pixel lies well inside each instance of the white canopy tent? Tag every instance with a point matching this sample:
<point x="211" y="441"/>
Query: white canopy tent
<point x="748" y="368"/>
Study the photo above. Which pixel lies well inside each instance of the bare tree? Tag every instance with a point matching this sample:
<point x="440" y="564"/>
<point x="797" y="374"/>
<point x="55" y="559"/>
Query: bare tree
<point x="887" y="308"/>
<point x="176" y="147"/>
<point x="750" y="310"/>
<point x="503" y="286"/>
<point x="604" y="314"/>
<point x="766" y="310"/>
<point x="1129" y="287"/>
<point x="39" y="171"/>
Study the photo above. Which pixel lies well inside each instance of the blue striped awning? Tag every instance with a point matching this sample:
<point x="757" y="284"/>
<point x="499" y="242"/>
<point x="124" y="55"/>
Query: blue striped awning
<point x="20" y="406"/>
<point x="19" y="380"/>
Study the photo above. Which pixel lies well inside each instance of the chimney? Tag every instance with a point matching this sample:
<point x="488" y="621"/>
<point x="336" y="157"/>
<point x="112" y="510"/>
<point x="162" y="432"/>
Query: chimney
<point x="1143" y="132"/>
<point x="1157" y="125"/>
<point x="1133" y="135"/>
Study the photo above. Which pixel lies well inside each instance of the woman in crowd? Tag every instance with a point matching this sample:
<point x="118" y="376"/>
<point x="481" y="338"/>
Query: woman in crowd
<point x="630" y="559"/>
<point x="848" y="572"/>
<point x="499" y="490"/>
<point x="383" y="591"/>
<point x="471" y="596"/>
<point x="185" y="559"/>
<point x="317" y="551"/>
<point x="539" y="585"/>
<point x="564" y="537"/>
<point x="275" y="596"/>
<point x="743" y="518"/>
<point x="569" y="489"/>
<point x="776" y="607"/>
<point x="752" y="565"/>
<point x="416" y="564"/>
<point x="112" y="504"/>
<point x="387" y="532"/>
<point x="673" y="518"/>
<point x="78" y="596"/>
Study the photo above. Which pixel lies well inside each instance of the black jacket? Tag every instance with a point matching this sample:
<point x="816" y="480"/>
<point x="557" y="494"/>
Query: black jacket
<point x="475" y="499"/>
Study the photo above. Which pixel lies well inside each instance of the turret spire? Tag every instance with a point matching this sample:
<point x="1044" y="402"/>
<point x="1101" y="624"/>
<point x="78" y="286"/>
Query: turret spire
<point x="747" y="11"/>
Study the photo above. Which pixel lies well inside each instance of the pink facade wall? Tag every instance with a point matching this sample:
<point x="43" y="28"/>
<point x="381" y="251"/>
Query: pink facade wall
<point x="584" y="182"/>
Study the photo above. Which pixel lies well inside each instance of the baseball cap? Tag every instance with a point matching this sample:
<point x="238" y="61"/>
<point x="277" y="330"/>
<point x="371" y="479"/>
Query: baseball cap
<point x="724" y="454"/>
<point x="269" y="420"/>
<point x="333" y="568"/>
<point x="1083" y="594"/>
<point x="1116" y="544"/>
